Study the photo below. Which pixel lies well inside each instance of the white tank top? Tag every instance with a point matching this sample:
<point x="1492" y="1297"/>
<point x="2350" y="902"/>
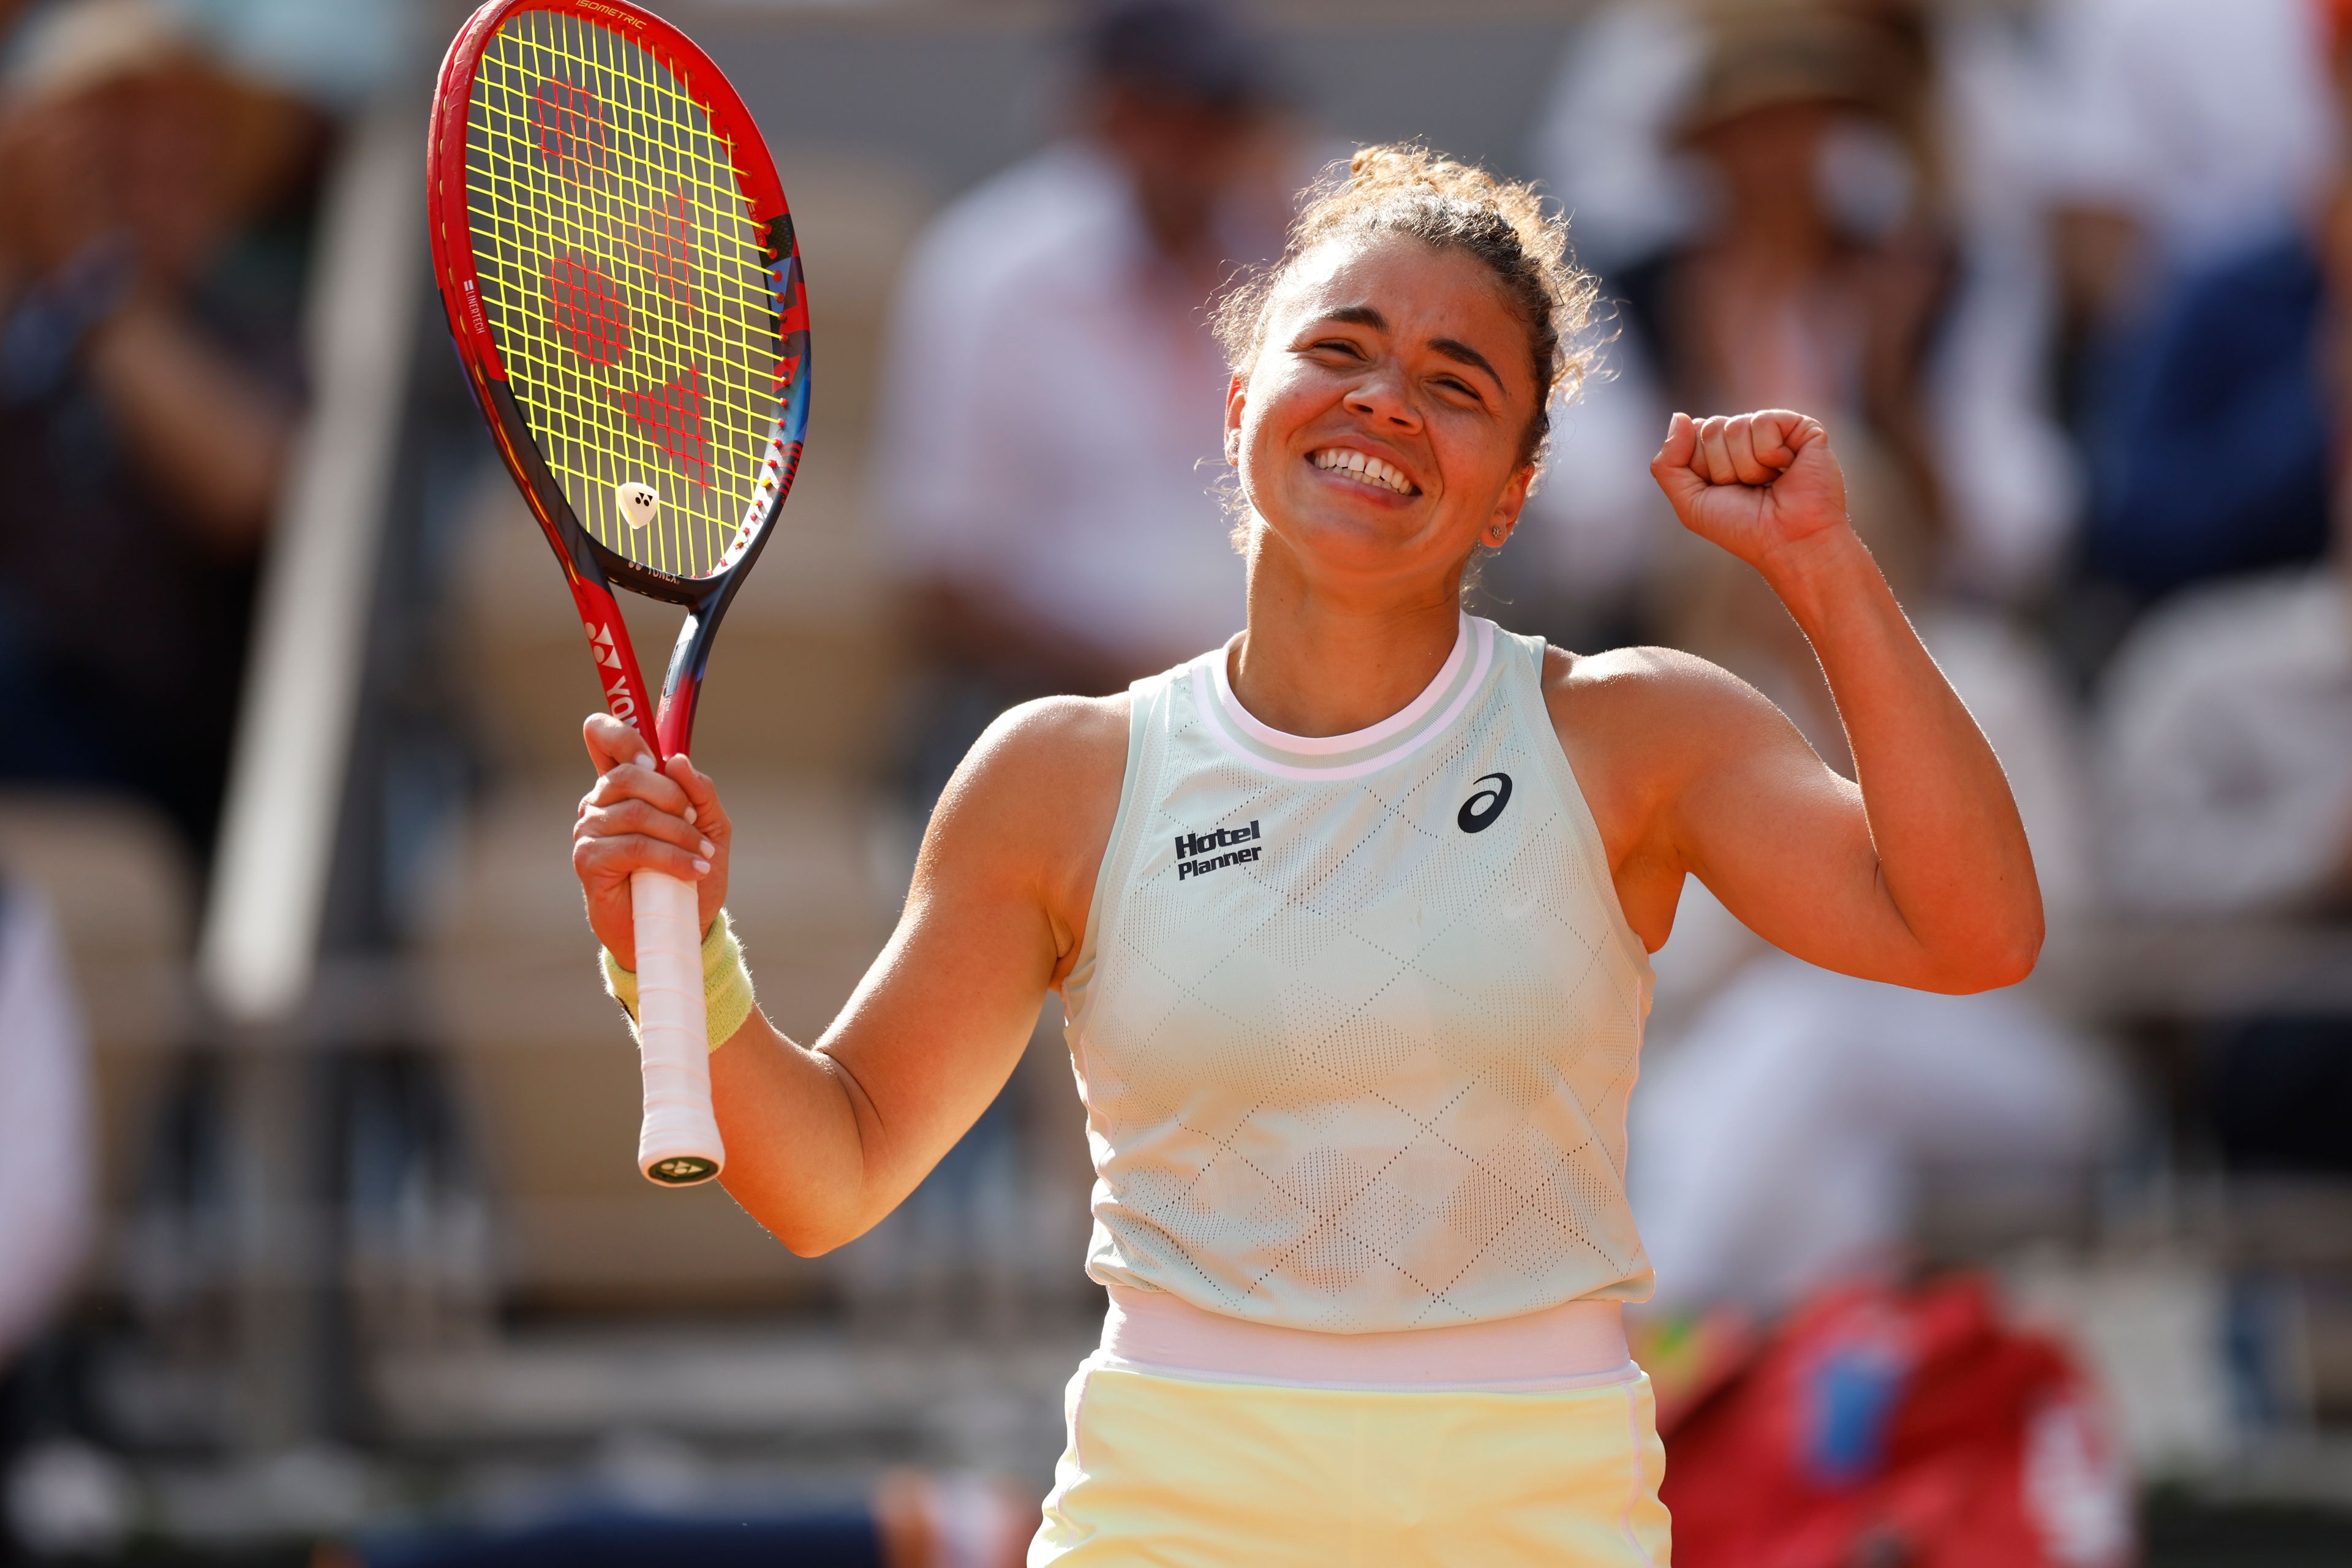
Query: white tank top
<point x="1355" y="1018"/>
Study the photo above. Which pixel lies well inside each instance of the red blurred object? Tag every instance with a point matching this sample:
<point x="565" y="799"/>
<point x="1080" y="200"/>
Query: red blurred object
<point x="1886" y="1426"/>
<point x="2336" y="18"/>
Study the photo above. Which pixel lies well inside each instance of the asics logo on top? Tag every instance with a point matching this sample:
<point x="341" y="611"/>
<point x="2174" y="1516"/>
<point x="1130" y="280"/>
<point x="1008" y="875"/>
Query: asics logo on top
<point x="1197" y="853"/>
<point x="1479" y="813"/>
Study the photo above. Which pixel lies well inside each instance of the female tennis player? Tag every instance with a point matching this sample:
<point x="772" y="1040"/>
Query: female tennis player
<point x="1351" y="922"/>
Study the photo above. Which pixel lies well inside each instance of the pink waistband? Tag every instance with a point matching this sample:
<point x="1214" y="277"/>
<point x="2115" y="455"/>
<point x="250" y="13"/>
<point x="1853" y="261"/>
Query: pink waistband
<point x="1573" y="1343"/>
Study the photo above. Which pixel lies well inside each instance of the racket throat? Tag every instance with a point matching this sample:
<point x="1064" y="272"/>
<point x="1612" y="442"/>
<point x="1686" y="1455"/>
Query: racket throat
<point x="626" y="696"/>
<point x="682" y="685"/>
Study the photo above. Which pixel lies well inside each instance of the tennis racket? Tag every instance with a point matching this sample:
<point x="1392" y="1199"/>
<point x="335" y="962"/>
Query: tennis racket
<point x="618" y="264"/>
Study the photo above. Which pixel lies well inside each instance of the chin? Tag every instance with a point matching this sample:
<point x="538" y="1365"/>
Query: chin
<point x="1375" y="539"/>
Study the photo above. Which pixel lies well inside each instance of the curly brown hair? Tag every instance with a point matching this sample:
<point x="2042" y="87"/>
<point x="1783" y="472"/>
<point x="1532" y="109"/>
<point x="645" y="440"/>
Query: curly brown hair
<point x="1401" y="188"/>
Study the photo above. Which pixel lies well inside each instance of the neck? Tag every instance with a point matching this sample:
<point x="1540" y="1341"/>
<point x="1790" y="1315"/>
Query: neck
<point x="1318" y="661"/>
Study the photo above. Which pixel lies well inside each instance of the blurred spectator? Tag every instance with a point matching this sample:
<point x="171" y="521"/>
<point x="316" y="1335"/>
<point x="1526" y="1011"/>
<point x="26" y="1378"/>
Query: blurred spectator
<point x="2217" y="400"/>
<point x="1051" y="432"/>
<point x="1819" y="274"/>
<point x="2226" y="751"/>
<point x="151" y="262"/>
<point x="2205" y="424"/>
<point x="1789" y="1117"/>
<point x="2226" y="717"/>
<point x="1787" y="1136"/>
<point x="1817" y="203"/>
<point x="1829" y="217"/>
<point x="2177" y="131"/>
<point x="2191" y="222"/>
<point x="47" y="1163"/>
<point x="1805" y="293"/>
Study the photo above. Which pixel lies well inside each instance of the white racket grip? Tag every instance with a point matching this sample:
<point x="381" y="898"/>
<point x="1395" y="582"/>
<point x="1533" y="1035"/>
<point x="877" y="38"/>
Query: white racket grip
<point x="679" y="1144"/>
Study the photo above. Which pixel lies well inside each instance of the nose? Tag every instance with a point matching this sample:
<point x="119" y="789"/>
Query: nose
<point x="1380" y="399"/>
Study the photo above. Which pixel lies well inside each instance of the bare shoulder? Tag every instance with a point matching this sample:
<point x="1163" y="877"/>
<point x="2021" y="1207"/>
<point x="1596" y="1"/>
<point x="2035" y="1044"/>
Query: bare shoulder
<point x="1072" y="738"/>
<point x="1056" y="753"/>
<point x="1036" y="795"/>
<point x="1639" y="726"/>
<point x="1662" y="692"/>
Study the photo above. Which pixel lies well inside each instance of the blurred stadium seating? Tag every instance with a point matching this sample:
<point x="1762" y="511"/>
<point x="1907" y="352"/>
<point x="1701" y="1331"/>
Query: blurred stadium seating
<point x="125" y="893"/>
<point x="796" y="720"/>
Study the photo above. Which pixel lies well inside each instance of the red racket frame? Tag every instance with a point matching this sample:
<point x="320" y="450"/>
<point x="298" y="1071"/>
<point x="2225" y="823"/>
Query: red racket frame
<point x="590" y="568"/>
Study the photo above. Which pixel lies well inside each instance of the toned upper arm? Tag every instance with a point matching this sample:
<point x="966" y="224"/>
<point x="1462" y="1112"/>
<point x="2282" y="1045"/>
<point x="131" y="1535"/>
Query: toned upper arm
<point x="1691" y="771"/>
<point x="1596" y="703"/>
<point x="994" y="918"/>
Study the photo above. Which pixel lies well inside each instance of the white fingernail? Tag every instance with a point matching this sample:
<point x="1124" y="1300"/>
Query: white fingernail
<point x="702" y="865"/>
<point x="689" y="817"/>
<point x="704" y="846"/>
<point x="645" y="759"/>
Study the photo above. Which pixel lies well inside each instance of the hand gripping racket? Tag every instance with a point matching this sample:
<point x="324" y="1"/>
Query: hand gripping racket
<point x="618" y="264"/>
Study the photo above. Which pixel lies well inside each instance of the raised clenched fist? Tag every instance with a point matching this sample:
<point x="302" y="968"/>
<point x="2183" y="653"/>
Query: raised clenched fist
<point x="1756" y="484"/>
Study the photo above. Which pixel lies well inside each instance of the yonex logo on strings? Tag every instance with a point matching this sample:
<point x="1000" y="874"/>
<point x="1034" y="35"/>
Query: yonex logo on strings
<point x="1196" y="853"/>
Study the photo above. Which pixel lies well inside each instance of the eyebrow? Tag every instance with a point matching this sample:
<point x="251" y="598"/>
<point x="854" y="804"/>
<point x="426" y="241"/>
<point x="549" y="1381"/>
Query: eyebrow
<point x="1462" y="353"/>
<point x="1453" y="349"/>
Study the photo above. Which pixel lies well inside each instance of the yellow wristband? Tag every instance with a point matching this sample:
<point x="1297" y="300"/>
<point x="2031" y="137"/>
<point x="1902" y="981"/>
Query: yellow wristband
<point x="727" y="994"/>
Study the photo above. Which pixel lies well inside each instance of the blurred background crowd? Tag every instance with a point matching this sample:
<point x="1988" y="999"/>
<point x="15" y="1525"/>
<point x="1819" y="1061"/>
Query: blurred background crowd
<point x="319" y="1235"/>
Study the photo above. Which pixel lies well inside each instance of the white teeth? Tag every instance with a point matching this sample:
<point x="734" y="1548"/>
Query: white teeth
<point x="1369" y="468"/>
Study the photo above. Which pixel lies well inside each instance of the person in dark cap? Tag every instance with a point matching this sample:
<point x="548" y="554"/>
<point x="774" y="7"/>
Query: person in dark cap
<point x="1180" y="48"/>
<point x="1178" y="94"/>
<point x="1050" y="390"/>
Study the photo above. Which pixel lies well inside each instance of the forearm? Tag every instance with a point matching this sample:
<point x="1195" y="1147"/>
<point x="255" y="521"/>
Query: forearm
<point x="796" y="1125"/>
<point x="824" y="1142"/>
<point x="1950" y="854"/>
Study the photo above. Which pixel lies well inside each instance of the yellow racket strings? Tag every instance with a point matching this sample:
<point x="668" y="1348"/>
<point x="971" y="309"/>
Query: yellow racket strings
<point x="622" y="276"/>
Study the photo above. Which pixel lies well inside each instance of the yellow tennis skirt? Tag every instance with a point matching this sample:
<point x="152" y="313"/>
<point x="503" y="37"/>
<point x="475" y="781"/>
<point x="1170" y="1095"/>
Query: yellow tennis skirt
<point x="1189" y="1473"/>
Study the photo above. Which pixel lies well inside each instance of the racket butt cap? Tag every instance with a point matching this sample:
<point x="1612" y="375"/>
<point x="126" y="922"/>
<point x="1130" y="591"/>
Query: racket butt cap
<point x="678" y="1170"/>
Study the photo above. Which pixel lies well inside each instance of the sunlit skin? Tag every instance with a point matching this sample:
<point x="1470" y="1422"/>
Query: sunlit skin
<point x="1916" y="875"/>
<point x="1412" y="356"/>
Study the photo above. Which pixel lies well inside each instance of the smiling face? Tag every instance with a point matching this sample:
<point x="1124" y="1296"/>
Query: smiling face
<point x="1381" y="430"/>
